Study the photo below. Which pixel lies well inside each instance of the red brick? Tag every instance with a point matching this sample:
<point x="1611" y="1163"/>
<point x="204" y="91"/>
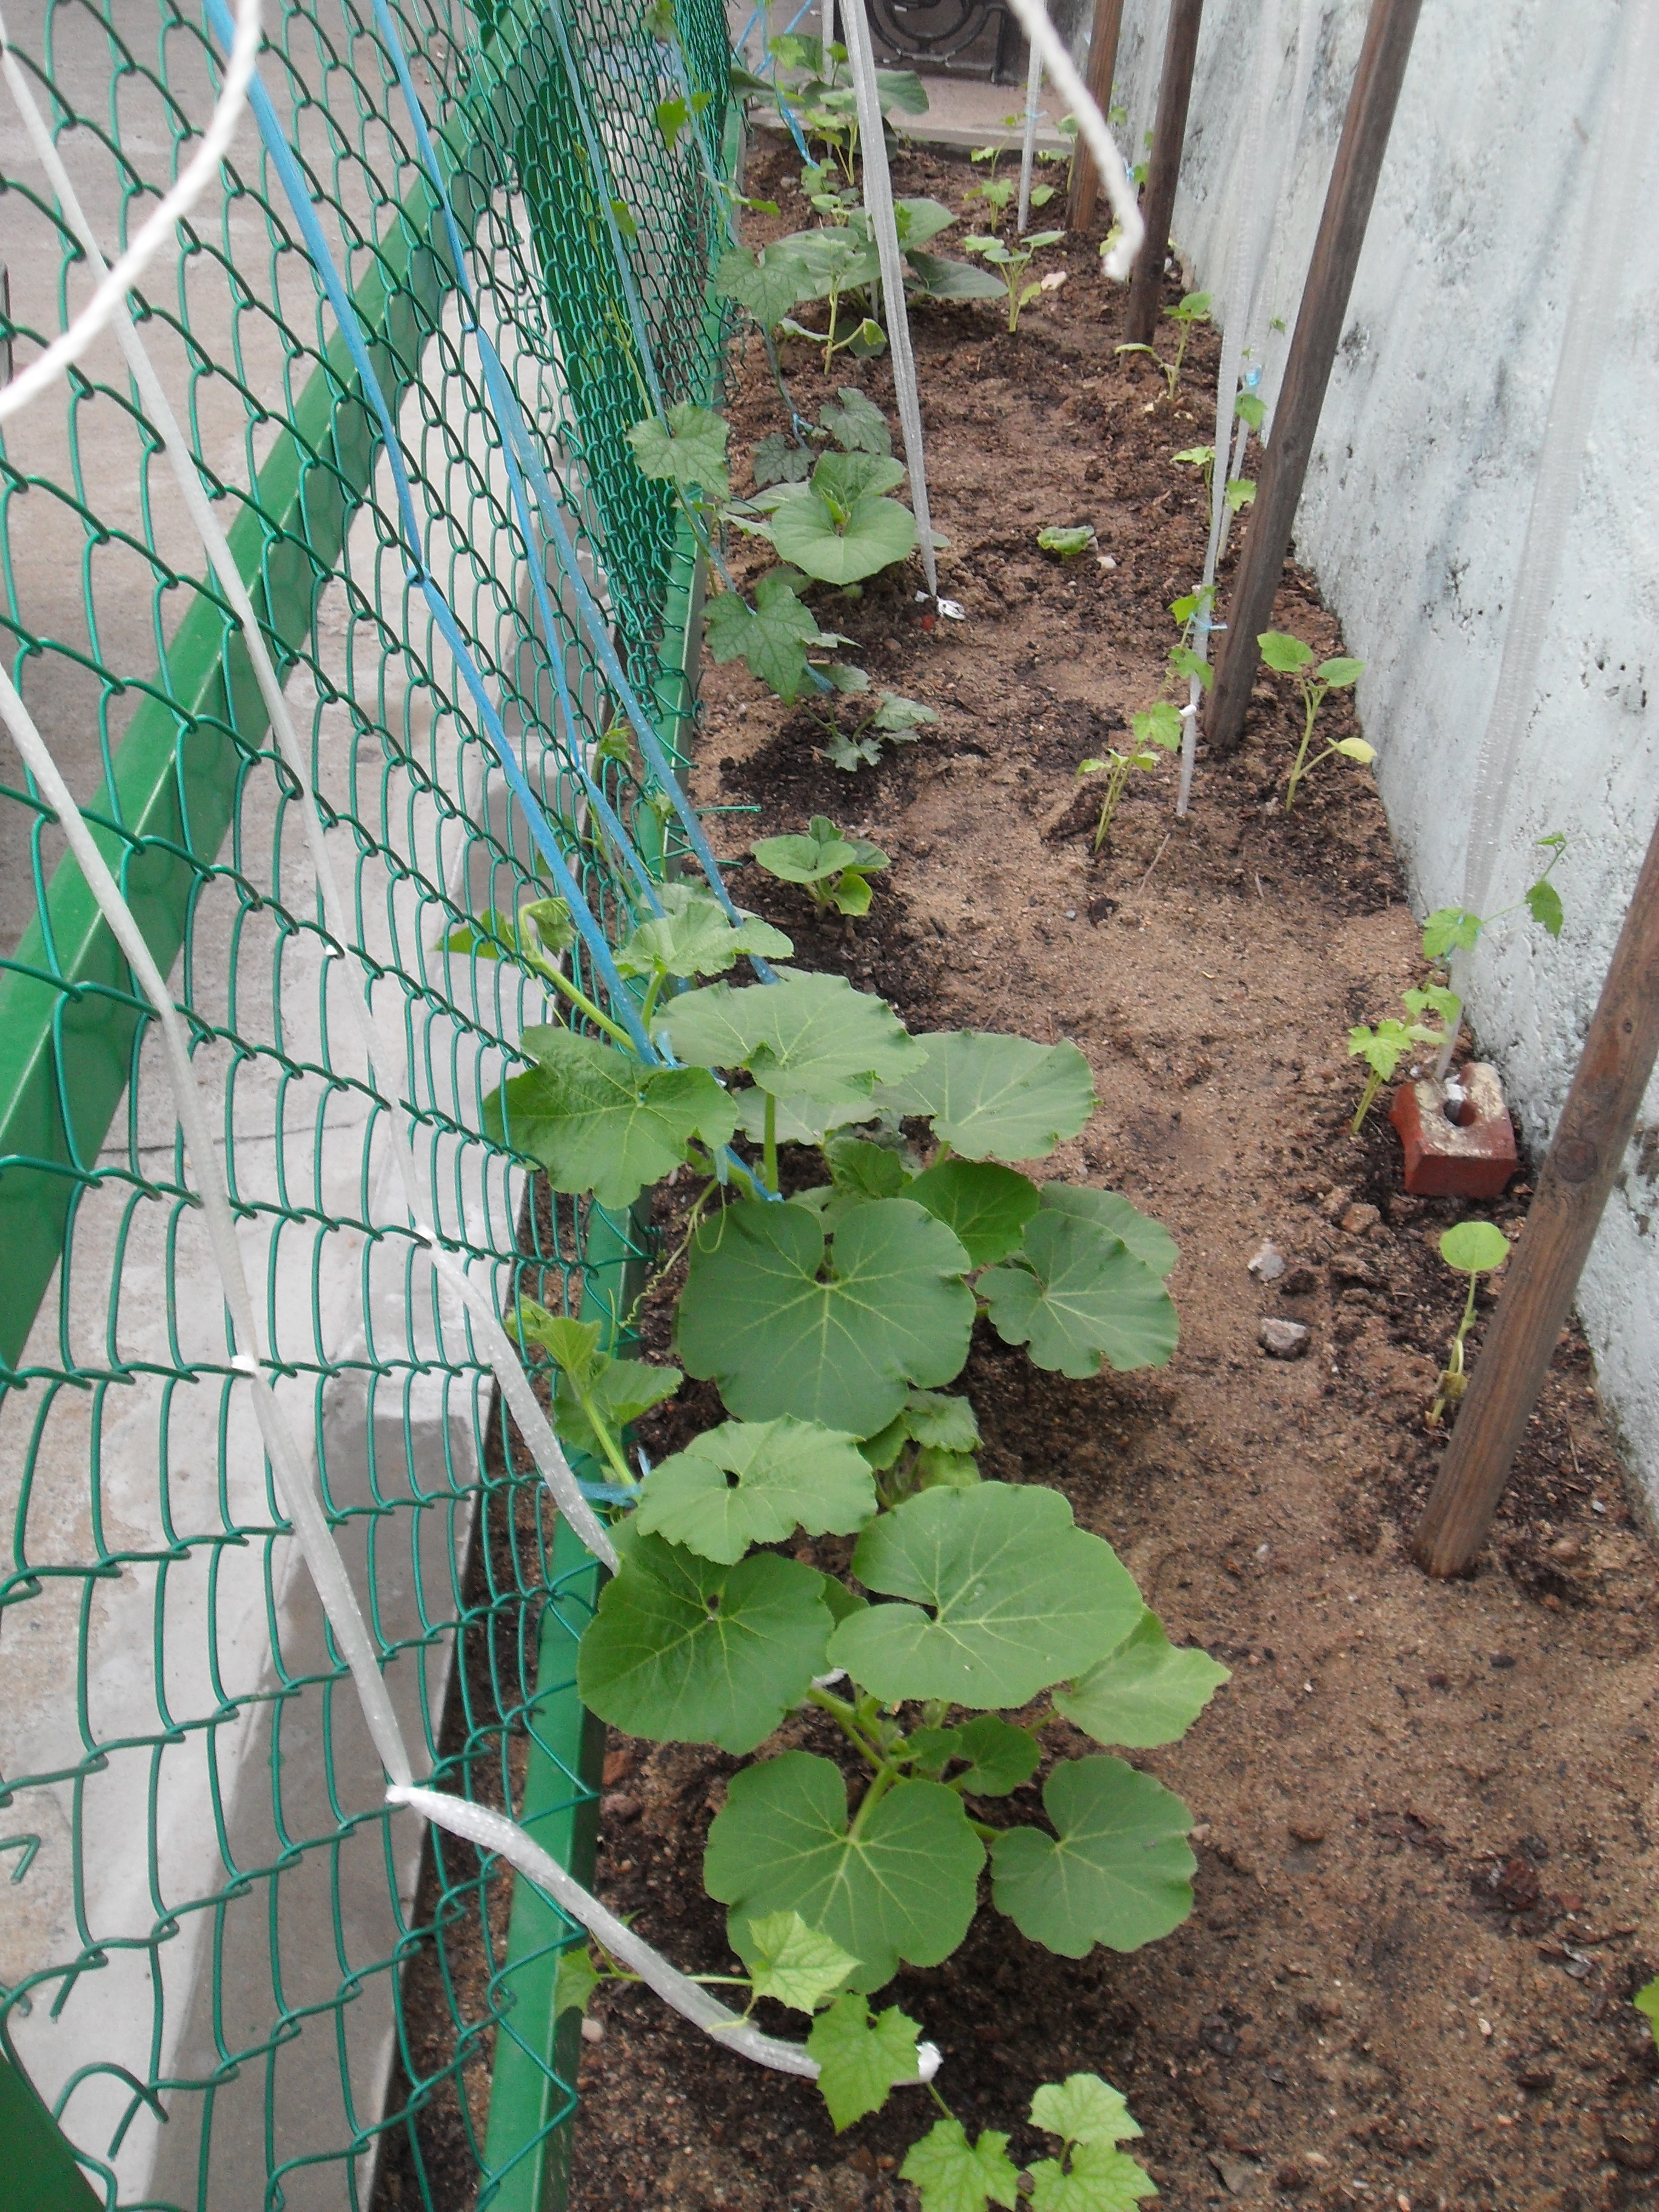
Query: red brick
<point x="1444" y="1160"/>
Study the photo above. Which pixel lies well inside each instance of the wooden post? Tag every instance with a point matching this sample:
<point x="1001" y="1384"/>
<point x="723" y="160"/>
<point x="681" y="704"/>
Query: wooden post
<point x="1169" y="135"/>
<point x="1307" y="372"/>
<point x="1102" y="66"/>
<point x="1596" y="1127"/>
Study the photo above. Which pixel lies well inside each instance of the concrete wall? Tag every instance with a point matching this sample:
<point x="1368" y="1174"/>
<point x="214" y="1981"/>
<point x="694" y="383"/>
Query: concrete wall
<point x="1416" y="504"/>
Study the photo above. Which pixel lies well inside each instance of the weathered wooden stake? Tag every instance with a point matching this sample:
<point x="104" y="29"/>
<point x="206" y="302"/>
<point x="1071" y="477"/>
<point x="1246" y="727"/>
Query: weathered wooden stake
<point x="1307" y="372"/>
<point x="1175" y="90"/>
<point x="1102" y="66"/>
<point x="1596" y="1127"/>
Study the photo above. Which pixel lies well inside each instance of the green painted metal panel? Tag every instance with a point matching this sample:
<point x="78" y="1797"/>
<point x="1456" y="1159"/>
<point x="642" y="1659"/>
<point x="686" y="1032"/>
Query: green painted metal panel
<point x="38" y="2171"/>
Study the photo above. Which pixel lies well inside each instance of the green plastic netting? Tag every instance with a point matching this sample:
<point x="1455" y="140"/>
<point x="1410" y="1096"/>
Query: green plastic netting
<point x="219" y="1963"/>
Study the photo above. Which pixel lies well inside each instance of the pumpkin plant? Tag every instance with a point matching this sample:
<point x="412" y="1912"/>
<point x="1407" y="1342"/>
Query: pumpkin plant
<point x="1474" y="1248"/>
<point x="831" y="866"/>
<point x="1291" y="656"/>
<point x="956" y="1621"/>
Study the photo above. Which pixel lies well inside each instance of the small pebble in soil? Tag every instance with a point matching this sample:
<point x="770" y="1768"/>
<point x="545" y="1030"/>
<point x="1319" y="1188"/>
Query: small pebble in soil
<point x="1284" y="1340"/>
<point x="1267" y="1265"/>
<point x="1306" y="1831"/>
<point x="1358" y="1218"/>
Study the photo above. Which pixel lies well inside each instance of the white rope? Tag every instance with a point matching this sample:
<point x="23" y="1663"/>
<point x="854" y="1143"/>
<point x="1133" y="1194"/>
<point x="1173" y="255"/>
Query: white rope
<point x="376" y="1037"/>
<point x="157" y="230"/>
<point x="1244" y="257"/>
<point x="299" y="1500"/>
<point x="879" y="205"/>
<point x="493" y="1831"/>
<point x="1028" y="145"/>
<point x="1096" y="133"/>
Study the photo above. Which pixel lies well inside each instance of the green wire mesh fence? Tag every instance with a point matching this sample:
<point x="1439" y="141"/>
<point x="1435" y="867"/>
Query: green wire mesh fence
<point x="221" y="1965"/>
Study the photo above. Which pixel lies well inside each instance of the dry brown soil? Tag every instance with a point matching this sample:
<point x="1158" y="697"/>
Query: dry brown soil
<point x="1426" y="1870"/>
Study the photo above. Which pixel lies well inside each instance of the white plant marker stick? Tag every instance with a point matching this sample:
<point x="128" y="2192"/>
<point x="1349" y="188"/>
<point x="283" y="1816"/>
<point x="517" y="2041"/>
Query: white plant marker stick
<point x="1027" y="148"/>
<point x="375" y="1037"/>
<point x="828" y="26"/>
<point x="1243" y="254"/>
<point x="884" y="228"/>
<point x="299" y="1497"/>
<point x="1096" y="132"/>
<point x="158" y="228"/>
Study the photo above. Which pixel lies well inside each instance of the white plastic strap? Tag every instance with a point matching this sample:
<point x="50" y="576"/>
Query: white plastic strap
<point x="1028" y="145"/>
<point x="493" y="1831"/>
<point x="1096" y="133"/>
<point x="879" y="205"/>
<point x="376" y="1037"/>
<point x="157" y="230"/>
<point x="299" y="1500"/>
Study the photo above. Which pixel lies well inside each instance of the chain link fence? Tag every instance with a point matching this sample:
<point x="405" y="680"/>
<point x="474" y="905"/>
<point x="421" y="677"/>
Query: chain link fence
<point x="221" y="1965"/>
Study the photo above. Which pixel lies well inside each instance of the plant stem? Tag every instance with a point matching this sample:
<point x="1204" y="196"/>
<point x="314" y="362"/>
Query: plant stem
<point x="1310" y="702"/>
<point x="651" y="998"/>
<point x="842" y="1715"/>
<point x="1373" y="1085"/>
<point x="883" y="1782"/>
<point x="561" y="981"/>
<point x="608" y="1442"/>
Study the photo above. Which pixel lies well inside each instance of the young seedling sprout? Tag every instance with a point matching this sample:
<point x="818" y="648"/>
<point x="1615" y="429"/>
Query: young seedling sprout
<point x="1159" y="727"/>
<point x="1452" y="929"/>
<point x="1383" y="1047"/>
<point x="1066" y="540"/>
<point x="1289" y="656"/>
<point x="1194" y="308"/>
<point x="1010" y="264"/>
<point x="1474" y="1248"/>
<point x="832" y="865"/>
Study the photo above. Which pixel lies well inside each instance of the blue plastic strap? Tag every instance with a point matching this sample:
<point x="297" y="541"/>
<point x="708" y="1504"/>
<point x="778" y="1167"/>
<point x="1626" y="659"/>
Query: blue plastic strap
<point x="333" y="283"/>
<point x="509" y="419"/>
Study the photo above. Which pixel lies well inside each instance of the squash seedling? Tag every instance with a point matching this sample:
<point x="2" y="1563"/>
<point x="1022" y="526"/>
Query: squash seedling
<point x="1289" y="656"/>
<point x="1474" y="1248"/>
<point x="892" y="718"/>
<point x="1010" y="264"/>
<point x="1383" y="1047"/>
<point x="832" y="865"/>
<point x="1159" y="727"/>
<point x="1194" y="308"/>
<point x="1451" y="929"/>
<point x="1065" y="540"/>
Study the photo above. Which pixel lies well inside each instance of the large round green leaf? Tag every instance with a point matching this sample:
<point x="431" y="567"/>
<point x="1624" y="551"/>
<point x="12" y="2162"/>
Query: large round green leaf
<point x="811" y="1036"/>
<point x="1149" y="1240"/>
<point x="997" y="1096"/>
<point x="693" y="937"/>
<point x="1474" y="1247"/>
<point x="987" y="1206"/>
<point x="1077" y="1295"/>
<point x="903" y="1888"/>
<point x="844" y="547"/>
<point x="683" y="1649"/>
<point x="761" y="1316"/>
<point x="1117" y="1870"/>
<point x="1016" y="1596"/>
<point x="756" y="1482"/>
<point x="768" y="284"/>
<point x="599" y="1121"/>
<point x="1147" y="1691"/>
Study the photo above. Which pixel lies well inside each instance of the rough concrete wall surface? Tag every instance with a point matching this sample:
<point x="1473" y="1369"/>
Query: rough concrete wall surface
<point x="1416" y="504"/>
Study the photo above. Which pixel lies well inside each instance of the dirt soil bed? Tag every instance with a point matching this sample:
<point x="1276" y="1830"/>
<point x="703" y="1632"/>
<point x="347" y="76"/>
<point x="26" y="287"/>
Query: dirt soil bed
<point x="1426" y="1875"/>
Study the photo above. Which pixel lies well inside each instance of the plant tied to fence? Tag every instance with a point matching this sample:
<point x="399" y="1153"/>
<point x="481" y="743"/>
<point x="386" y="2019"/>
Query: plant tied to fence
<point x="832" y="1307"/>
